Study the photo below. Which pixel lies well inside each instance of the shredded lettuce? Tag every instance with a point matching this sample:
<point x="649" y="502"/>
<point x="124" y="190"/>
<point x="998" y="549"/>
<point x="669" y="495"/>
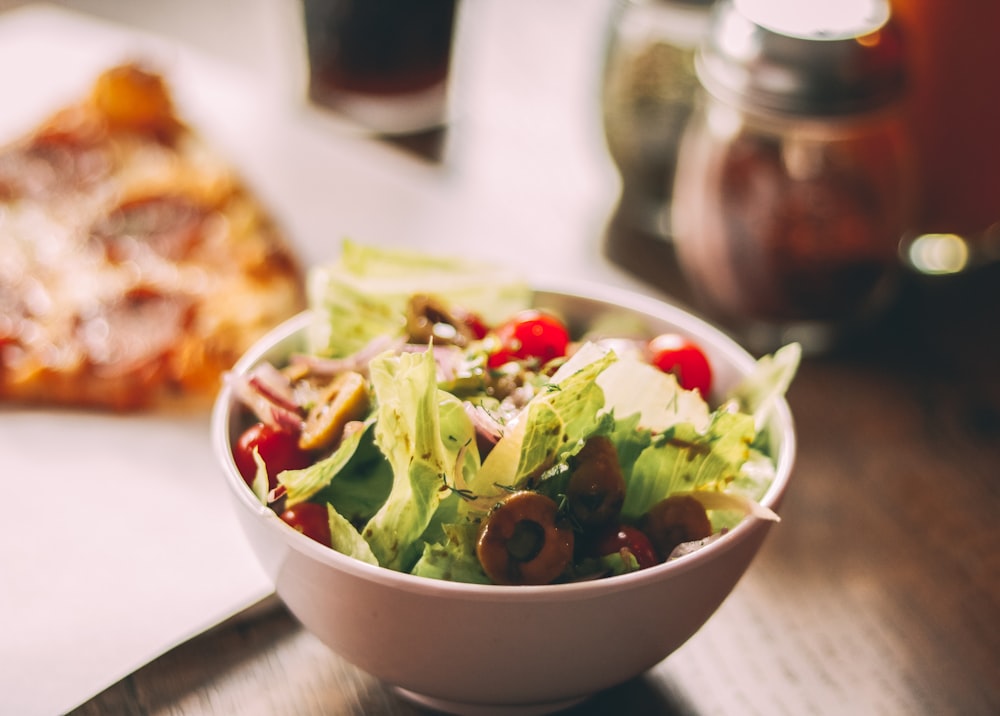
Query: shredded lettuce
<point x="554" y="421"/>
<point x="300" y="485"/>
<point x="682" y="460"/>
<point x="364" y="294"/>
<point x="425" y="435"/>
<point x="260" y="484"/>
<point x="632" y="386"/>
<point x="453" y="558"/>
<point x="407" y="490"/>
<point x="346" y="539"/>
<point x="768" y="381"/>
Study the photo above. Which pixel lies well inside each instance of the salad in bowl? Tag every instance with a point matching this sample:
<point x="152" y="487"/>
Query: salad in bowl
<point x="438" y="422"/>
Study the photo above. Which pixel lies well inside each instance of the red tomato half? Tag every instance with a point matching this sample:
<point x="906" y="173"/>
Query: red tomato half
<point x="310" y="519"/>
<point x="673" y="353"/>
<point x="530" y="334"/>
<point x="631" y="539"/>
<point x="279" y="449"/>
<point x="475" y="323"/>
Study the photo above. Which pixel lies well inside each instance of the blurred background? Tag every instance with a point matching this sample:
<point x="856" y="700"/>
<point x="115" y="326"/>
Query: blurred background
<point x="595" y="130"/>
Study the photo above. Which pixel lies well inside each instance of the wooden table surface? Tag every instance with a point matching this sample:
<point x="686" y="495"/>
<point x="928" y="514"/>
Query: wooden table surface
<point x="878" y="593"/>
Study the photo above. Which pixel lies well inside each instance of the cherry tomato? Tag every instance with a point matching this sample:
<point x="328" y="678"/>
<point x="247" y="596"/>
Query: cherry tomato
<point x="631" y="539"/>
<point x="310" y="519"/>
<point x="673" y="353"/>
<point x="476" y="325"/>
<point x="530" y="334"/>
<point x="279" y="449"/>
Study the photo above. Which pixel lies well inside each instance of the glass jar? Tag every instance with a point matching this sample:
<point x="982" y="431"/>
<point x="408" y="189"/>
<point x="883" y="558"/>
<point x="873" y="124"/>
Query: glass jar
<point x="648" y="91"/>
<point x="794" y="185"/>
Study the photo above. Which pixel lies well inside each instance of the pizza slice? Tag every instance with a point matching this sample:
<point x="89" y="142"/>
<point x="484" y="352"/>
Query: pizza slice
<point x="135" y="265"/>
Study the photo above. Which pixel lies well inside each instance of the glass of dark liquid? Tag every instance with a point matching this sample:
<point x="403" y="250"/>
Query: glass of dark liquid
<point x="383" y="64"/>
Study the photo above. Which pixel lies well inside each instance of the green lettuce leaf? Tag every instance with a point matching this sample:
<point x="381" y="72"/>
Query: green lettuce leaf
<point x="454" y="557"/>
<point x="617" y="563"/>
<point x="301" y="485"/>
<point x="426" y="436"/>
<point x="768" y="381"/>
<point x="345" y="538"/>
<point x="633" y="386"/>
<point x="361" y="488"/>
<point x="552" y="423"/>
<point x="260" y="484"/>
<point x="685" y="460"/>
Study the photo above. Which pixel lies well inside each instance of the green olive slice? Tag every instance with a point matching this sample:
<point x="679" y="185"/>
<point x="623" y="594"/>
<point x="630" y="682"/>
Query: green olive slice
<point x="522" y="540"/>
<point x="343" y="400"/>
<point x="429" y="320"/>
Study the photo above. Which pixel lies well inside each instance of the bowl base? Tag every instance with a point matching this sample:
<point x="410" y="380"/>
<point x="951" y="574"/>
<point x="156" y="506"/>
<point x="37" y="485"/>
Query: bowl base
<point x="463" y="709"/>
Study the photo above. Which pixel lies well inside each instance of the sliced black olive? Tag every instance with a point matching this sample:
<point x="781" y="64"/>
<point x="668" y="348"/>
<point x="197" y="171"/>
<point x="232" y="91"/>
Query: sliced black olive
<point x="675" y="520"/>
<point x="523" y="541"/>
<point x="596" y="488"/>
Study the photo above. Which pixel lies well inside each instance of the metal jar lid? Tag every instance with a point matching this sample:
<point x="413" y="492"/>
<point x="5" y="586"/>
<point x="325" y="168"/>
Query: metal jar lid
<point x="812" y="57"/>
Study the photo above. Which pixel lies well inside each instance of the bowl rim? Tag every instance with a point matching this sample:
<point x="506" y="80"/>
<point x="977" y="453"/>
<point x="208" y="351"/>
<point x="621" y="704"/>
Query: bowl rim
<point x="661" y="309"/>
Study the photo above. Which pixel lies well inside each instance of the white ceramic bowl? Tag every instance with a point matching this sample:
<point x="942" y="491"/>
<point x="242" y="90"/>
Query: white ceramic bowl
<point x="490" y="649"/>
